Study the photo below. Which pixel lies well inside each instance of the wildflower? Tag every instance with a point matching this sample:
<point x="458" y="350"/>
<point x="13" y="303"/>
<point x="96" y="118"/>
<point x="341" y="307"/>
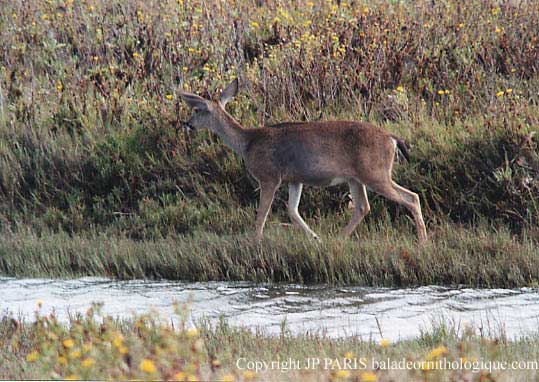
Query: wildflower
<point x="498" y="30"/>
<point x="437" y="352"/>
<point x="500" y="93"/>
<point x="255" y="25"/>
<point x="59" y="86"/>
<point x="75" y="354"/>
<point x="343" y="374"/>
<point x="62" y="360"/>
<point x="72" y="377"/>
<point x="179" y="376"/>
<point x="216" y="363"/>
<point x="88" y="362"/>
<point x="123" y="350"/>
<point x="192" y="378"/>
<point x="508" y="91"/>
<point x="33" y="356"/>
<point x="400" y="89"/>
<point x="136" y="55"/>
<point x="147" y="366"/>
<point x="118" y="341"/>
<point x="249" y="374"/>
<point x="513" y="70"/>
<point x="69" y="343"/>
<point x="228" y="378"/>
<point x="349" y="355"/>
<point x="368" y="377"/>
<point x="384" y="342"/>
<point x="442" y="92"/>
<point x="192" y="332"/>
<point x="191" y="50"/>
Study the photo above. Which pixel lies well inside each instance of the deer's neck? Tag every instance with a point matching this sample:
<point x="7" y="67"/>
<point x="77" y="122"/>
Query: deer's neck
<point x="232" y="133"/>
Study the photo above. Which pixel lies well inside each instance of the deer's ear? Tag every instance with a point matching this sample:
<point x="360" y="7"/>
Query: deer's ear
<point x="194" y="101"/>
<point x="229" y="93"/>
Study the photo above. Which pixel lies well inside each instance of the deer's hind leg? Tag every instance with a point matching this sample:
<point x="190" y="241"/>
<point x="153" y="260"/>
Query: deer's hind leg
<point x="407" y="198"/>
<point x="294" y="196"/>
<point x="361" y="203"/>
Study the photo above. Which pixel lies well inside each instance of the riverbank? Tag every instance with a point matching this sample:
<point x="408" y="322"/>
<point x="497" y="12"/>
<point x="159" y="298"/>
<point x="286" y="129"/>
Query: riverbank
<point x="145" y="347"/>
<point x="384" y="255"/>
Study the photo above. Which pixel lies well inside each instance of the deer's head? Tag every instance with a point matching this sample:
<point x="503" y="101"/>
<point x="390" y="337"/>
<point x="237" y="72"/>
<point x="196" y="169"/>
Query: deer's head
<point x="206" y="112"/>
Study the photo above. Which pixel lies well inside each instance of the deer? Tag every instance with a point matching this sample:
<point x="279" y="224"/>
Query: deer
<point x="320" y="154"/>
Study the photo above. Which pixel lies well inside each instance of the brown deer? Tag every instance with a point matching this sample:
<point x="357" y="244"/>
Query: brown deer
<point x="313" y="153"/>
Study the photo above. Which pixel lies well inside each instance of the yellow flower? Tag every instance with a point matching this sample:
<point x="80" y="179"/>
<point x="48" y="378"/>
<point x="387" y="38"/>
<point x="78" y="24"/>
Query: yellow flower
<point x="72" y="377"/>
<point x="368" y="377"/>
<point x="33" y="356"/>
<point x="384" y="342"/>
<point x="59" y="86"/>
<point x="400" y="89"/>
<point x="509" y="91"/>
<point x="192" y="332"/>
<point x="349" y="355"/>
<point x="118" y="340"/>
<point x="62" y="360"/>
<point x="343" y="374"/>
<point x="169" y="97"/>
<point x="498" y="30"/>
<point x="500" y="93"/>
<point x="435" y="353"/>
<point x="123" y="350"/>
<point x="135" y="55"/>
<point x="255" y="25"/>
<point x="147" y="366"/>
<point x="88" y="362"/>
<point x="192" y="378"/>
<point x="441" y="92"/>
<point x="249" y="374"/>
<point x="75" y="354"/>
<point x="69" y="343"/>
<point x="228" y="378"/>
<point x="179" y="376"/>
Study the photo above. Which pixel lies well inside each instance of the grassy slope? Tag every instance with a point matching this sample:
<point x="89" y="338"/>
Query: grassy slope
<point x="95" y="178"/>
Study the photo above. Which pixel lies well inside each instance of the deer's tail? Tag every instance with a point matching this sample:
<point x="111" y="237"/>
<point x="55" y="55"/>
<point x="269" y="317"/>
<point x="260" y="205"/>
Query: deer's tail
<point x="403" y="148"/>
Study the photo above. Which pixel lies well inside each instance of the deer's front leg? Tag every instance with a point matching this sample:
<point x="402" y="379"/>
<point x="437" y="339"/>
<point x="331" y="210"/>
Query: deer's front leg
<point x="267" y="193"/>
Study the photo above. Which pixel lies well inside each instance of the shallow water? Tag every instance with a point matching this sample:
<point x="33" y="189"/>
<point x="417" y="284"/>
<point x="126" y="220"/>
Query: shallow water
<point x="401" y="313"/>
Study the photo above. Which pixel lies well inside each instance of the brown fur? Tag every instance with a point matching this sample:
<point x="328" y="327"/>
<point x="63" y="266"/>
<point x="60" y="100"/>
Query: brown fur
<point x="312" y="153"/>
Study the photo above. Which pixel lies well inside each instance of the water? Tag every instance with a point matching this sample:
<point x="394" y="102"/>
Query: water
<point x="401" y="313"/>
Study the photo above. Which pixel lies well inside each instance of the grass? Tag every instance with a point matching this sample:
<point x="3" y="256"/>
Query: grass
<point x="148" y="347"/>
<point x="96" y="178"/>
<point x="381" y="256"/>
